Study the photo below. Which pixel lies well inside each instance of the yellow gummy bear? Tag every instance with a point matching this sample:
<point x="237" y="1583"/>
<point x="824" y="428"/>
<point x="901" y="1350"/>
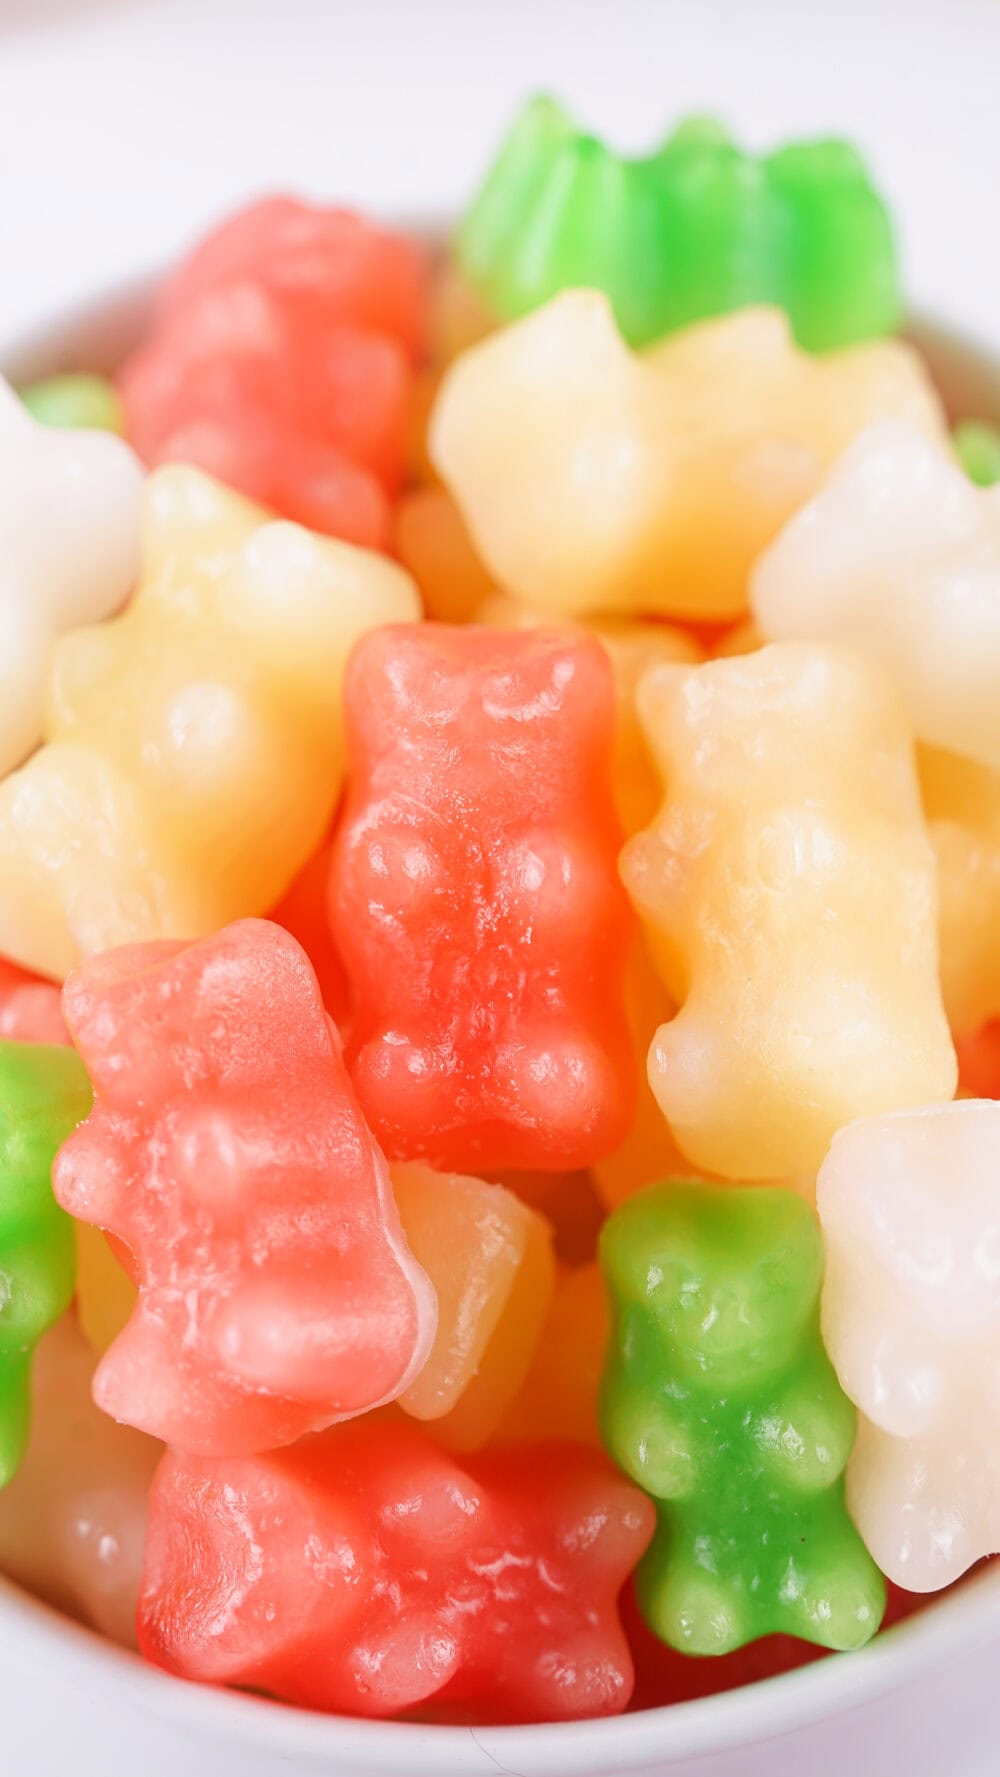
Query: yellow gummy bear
<point x="105" y="1293"/>
<point x="193" y="750"/>
<point x="789" y="887"/>
<point x="962" y="805"/>
<point x="490" y="1260"/>
<point x="593" y="478"/>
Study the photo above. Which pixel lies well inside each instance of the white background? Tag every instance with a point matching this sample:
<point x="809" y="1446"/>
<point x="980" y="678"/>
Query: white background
<point x="127" y="124"/>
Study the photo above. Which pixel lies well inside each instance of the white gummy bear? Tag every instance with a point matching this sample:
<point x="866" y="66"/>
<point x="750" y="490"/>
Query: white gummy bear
<point x="910" y="1207"/>
<point x="899" y="555"/>
<point x="70" y="504"/>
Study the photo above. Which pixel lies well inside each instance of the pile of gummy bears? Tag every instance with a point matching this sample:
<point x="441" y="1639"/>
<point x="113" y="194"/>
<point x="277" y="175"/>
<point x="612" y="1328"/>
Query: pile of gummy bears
<point x="501" y="751"/>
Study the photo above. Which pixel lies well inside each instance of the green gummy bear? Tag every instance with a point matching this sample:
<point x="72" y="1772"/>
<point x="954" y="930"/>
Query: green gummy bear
<point x="75" y="401"/>
<point x="44" y="1094"/>
<point x="696" y="228"/>
<point x="720" y="1401"/>
<point x="978" y="447"/>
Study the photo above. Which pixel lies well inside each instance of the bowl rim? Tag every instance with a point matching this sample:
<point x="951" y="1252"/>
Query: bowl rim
<point x="957" y="1623"/>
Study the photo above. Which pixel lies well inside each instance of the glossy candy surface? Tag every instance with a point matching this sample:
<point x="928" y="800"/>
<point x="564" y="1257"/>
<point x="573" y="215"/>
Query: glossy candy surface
<point x="73" y="1521"/>
<point x="368" y="1572"/>
<point x="280" y="360"/>
<point x="44" y="1093"/>
<point x="649" y="483"/>
<point x="720" y="1401"/>
<point x="788" y="888"/>
<point x="226" y="1151"/>
<point x="489" y="1258"/>
<point x="70" y="507"/>
<point x="696" y="228"/>
<point x="910" y="1207"/>
<point x="474" y="898"/>
<point x="962" y="805"/>
<point x="898" y="555"/>
<point x="194" y="748"/>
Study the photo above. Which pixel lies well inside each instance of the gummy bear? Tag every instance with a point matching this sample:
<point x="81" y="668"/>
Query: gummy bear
<point x="194" y="744"/>
<point x="73" y="1521"/>
<point x="302" y="911"/>
<point x="489" y="1258"/>
<point x="696" y="228"/>
<point x="280" y="360"/>
<point x="474" y="898"/>
<point x="979" y="1062"/>
<point x="30" y="1008"/>
<point x="720" y="1401"/>
<point x="75" y="400"/>
<point x="899" y="555"/>
<point x="594" y="479"/>
<point x="434" y="545"/>
<point x="558" y="1398"/>
<point x="69" y="537"/>
<point x="962" y="806"/>
<point x="44" y="1093"/>
<point x="227" y="1153"/>
<point x="789" y="889"/>
<point x="366" y="1571"/>
<point x="106" y="1292"/>
<point x="910" y="1207"/>
<point x="978" y="448"/>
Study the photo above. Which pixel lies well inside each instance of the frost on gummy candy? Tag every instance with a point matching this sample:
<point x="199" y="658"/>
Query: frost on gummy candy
<point x="899" y="555"/>
<point x="227" y="1154"/>
<point x="592" y="478"/>
<point x="475" y="900"/>
<point x="365" y="1571"/>
<point x="788" y="889"/>
<point x="70" y="504"/>
<point x="73" y="1521"/>
<point x="720" y="1401"/>
<point x="910" y="1207"/>
<point x="194" y="751"/>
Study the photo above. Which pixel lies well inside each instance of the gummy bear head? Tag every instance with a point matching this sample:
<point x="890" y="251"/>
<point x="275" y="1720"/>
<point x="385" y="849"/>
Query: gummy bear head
<point x="728" y="1276"/>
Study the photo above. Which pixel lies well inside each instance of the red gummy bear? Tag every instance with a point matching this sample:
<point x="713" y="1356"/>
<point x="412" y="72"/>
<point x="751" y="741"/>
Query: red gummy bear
<point x="365" y="1571"/>
<point x="475" y="899"/>
<point x="979" y="1062"/>
<point x="226" y="1150"/>
<point x="280" y="360"/>
<point x="30" y="1008"/>
<point x="302" y="911"/>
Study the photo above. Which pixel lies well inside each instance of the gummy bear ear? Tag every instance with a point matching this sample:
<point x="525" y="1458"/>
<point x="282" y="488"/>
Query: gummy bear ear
<point x="189" y="521"/>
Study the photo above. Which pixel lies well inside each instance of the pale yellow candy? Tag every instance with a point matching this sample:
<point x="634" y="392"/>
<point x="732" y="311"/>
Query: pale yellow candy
<point x="595" y="479"/>
<point x="899" y="555"/>
<point x="491" y="1262"/>
<point x="194" y="744"/>
<point x="788" y="884"/>
<point x="632" y="646"/>
<point x="73" y="1520"/>
<point x="105" y="1294"/>
<point x="910" y="1207"/>
<point x="962" y="804"/>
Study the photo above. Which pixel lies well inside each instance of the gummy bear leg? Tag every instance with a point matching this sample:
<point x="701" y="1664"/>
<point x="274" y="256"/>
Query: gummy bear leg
<point x="689" y="1607"/>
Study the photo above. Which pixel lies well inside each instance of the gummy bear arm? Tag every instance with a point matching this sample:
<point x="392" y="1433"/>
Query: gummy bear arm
<point x="649" y="1438"/>
<point x="804" y="1438"/>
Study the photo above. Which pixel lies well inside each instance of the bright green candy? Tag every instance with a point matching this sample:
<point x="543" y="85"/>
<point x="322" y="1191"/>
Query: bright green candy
<point x="697" y="228"/>
<point x="44" y="1094"/>
<point x="77" y="401"/>
<point x="978" y="447"/>
<point x="720" y="1401"/>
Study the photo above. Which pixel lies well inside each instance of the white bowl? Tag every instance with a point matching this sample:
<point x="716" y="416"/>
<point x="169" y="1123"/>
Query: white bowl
<point x="923" y="1699"/>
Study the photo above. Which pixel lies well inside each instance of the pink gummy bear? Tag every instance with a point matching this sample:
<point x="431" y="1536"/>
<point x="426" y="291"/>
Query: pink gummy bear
<point x="226" y="1153"/>
<point x="365" y="1571"/>
<point x="474" y="897"/>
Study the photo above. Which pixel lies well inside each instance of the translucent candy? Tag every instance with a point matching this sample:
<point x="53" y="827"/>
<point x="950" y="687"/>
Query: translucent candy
<point x="227" y="1155"/>
<point x="788" y="887"/>
<point x="899" y="555"/>
<point x="489" y="1258"/>
<point x="558" y="1398"/>
<point x="73" y="1521"/>
<point x="366" y="1571"/>
<point x="593" y="479"/>
<point x="962" y="805"/>
<point x="194" y="745"/>
<point x="70" y="505"/>
<point x="910" y="1207"/>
